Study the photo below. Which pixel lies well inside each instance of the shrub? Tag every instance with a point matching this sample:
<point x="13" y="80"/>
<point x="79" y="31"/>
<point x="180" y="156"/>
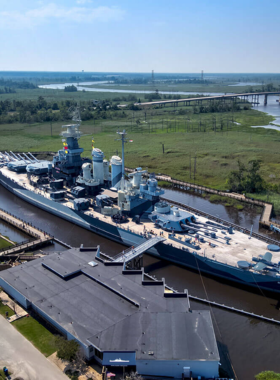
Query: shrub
<point x="66" y="349"/>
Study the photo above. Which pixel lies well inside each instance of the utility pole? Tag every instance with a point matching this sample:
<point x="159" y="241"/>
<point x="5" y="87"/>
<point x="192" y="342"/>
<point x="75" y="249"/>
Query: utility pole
<point x="190" y="166"/>
<point x="51" y="128"/>
<point x="194" y="169"/>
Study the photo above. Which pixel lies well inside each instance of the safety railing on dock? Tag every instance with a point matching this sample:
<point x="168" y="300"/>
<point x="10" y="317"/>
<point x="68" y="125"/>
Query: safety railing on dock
<point x="41" y="237"/>
<point x="267" y="206"/>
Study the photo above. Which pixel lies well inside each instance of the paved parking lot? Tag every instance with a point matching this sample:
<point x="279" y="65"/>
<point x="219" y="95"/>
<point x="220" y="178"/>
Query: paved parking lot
<point x="22" y="358"/>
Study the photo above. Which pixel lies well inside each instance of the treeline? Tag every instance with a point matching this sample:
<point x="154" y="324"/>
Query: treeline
<point x="156" y="96"/>
<point x="40" y="110"/>
<point x="16" y="84"/>
<point x="148" y="80"/>
<point x="125" y="98"/>
<point x="269" y="87"/>
<point x="189" y="81"/>
<point x="7" y="90"/>
<point x="71" y="88"/>
<point x="219" y="106"/>
<point x="132" y="81"/>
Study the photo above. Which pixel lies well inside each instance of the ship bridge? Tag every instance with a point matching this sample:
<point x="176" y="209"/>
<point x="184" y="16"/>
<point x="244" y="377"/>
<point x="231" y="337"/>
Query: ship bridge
<point x="134" y="252"/>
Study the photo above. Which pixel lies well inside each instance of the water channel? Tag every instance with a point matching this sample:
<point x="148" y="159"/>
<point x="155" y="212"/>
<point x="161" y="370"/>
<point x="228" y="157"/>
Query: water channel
<point x="272" y="107"/>
<point x="252" y="345"/>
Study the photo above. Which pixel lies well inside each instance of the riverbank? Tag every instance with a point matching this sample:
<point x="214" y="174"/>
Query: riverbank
<point x="217" y="199"/>
<point x="4" y="243"/>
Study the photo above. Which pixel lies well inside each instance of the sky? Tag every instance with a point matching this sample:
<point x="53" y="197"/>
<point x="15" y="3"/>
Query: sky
<point x="179" y="36"/>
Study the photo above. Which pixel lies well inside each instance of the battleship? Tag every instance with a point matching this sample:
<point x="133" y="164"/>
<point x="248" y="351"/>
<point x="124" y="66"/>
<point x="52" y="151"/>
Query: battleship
<point x="98" y="195"/>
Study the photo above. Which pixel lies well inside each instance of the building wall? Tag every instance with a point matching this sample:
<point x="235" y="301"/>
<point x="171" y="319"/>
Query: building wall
<point x="66" y="333"/>
<point x="15" y="294"/>
<point x="174" y="368"/>
<point x="27" y="304"/>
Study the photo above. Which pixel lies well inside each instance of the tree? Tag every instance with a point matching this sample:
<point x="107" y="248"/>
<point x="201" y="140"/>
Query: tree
<point x="80" y="360"/>
<point x="246" y="179"/>
<point x="13" y="306"/>
<point x="66" y="349"/>
<point x="254" y="182"/>
<point x="71" y="88"/>
<point x="268" y="375"/>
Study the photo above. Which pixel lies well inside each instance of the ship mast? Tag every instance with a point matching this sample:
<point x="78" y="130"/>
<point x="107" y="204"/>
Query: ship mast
<point x="123" y="140"/>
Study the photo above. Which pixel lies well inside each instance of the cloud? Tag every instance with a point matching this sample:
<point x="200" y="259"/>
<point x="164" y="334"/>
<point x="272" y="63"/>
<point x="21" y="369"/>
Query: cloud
<point x="77" y="14"/>
<point x="83" y="1"/>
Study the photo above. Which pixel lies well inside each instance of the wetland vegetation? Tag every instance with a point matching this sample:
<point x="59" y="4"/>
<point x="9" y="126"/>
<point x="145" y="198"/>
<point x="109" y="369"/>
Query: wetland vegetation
<point x="200" y="144"/>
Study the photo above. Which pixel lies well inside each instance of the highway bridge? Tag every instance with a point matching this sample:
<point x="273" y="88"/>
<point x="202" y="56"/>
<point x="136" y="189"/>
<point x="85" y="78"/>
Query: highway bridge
<point x="252" y="97"/>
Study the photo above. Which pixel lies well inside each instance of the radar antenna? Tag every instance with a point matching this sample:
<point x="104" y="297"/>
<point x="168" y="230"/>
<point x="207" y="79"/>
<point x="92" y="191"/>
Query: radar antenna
<point x="73" y="129"/>
<point x="74" y="112"/>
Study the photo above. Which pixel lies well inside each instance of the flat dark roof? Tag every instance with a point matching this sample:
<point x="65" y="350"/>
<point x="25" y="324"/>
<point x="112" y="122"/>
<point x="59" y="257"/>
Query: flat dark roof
<point x="114" y="311"/>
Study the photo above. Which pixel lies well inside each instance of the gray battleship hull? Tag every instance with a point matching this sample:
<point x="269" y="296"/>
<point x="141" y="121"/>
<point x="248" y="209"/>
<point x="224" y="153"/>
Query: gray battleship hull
<point x="119" y="234"/>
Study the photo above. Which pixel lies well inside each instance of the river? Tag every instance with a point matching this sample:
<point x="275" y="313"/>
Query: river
<point x="252" y="345"/>
<point x="272" y="107"/>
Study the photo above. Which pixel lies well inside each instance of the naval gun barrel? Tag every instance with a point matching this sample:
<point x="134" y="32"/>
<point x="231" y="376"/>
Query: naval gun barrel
<point x="33" y="156"/>
<point x="29" y="159"/>
<point x="14" y="157"/>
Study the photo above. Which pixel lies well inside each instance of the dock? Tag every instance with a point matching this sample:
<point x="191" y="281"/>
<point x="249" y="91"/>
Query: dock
<point x="40" y="237"/>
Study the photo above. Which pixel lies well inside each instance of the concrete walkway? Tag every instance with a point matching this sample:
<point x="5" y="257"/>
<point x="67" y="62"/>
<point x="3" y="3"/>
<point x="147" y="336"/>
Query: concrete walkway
<point x="17" y="309"/>
<point x="22" y="358"/>
<point x="41" y="236"/>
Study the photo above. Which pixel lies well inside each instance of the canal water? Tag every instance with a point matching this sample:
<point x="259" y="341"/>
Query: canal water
<point x="251" y="345"/>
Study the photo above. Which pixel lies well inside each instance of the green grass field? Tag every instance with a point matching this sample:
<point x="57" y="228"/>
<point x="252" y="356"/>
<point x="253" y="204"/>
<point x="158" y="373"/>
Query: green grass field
<point x="212" y="141"/>
<point x="4" y="243"/>
<point x="4" y="309"/>
<point x="37" y="334"/>
<point x="216" y="152"/>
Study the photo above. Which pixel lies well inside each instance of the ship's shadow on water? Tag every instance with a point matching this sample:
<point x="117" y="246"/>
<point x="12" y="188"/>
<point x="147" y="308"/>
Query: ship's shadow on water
<point x="161" y="264"/>
<point x="226" y="369"/>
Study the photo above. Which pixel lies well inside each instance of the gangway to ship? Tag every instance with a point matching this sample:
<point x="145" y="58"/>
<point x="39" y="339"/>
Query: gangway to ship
<point x="134" y="252"/>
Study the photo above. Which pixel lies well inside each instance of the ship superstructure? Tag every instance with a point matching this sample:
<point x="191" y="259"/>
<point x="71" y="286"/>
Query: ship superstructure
<point x="97" y="194"/>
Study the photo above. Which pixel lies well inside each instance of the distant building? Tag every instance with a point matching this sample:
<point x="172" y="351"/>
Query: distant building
<point x="120" y="317"/>
<point x="96" y="102"/>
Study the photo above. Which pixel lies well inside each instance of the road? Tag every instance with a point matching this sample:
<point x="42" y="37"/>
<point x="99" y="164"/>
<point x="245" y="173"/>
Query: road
<point x="22" y="358"/>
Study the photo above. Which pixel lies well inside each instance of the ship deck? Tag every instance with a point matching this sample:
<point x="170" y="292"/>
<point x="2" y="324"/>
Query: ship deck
<point x="241" y="246"/>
